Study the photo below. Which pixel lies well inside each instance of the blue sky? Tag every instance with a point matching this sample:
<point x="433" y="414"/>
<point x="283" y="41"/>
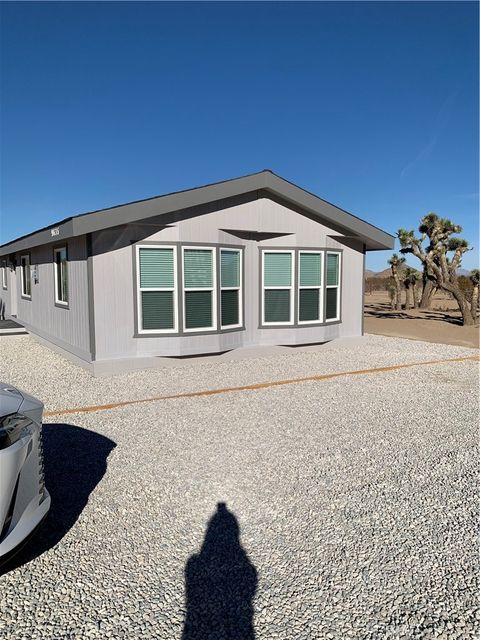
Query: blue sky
<point x="372" y="106"/>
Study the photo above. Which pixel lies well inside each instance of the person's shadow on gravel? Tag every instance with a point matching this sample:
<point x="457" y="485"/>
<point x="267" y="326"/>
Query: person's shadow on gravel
<point x="220" y="584"/>
<point x="75" y="461"/>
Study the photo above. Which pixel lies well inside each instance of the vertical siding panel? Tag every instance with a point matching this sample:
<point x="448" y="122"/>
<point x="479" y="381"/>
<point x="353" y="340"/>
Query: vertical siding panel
<point x="63" y="326"/>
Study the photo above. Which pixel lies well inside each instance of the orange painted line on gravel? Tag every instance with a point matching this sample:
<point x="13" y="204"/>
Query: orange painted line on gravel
<point x="252" y="387"/>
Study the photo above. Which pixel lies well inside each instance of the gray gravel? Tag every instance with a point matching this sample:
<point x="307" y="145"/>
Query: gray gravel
<point x="62" y="384"/>
<point x="355" y="498"/>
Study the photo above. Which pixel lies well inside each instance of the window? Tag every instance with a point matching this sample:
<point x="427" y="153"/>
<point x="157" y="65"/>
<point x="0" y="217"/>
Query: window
<point x="310" y="287"/>
<point x="183" y="293"/>
<point x="61" y="278"/>
<point x="26" y="277"/>
<point x="4" y="274"/>
<point x="199" y="302"/>
<point x="277" y="285"/>
<point x="230" y="288"/>
<point x="157" y="286"/>
<point x="332" y="291"/>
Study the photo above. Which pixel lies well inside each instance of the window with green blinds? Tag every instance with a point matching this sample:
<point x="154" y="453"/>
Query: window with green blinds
<point x="210" y="301"/>
<point x="157" y="310"/>
<point x="310" y="269"/>
<point x="230" y="287"/>
<point x="331" y="306"/>
<point x="309" y="282"/>
<point x="332" y="269"/>
<point x="277" y="305"/>
<point x="198" y="268"/>
<point x="309" y="305"/>
<point x="332" y="292"/>
<point x="157" y="280"/>
<point x="199" y="294"/>
<point x="230" y="307"/>
<point x="277" y="287"/>
<point x="198" y="309"/>
<point x="229" y="268"/>
<point x="156" y="268"/>
<point x="277" y="269"/>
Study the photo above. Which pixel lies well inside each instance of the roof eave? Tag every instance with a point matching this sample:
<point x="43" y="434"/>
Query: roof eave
<point x="374" y="239"/>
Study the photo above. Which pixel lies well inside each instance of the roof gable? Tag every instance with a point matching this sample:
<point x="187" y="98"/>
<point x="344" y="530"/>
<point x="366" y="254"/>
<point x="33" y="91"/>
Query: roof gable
<point x="262" y="184"/>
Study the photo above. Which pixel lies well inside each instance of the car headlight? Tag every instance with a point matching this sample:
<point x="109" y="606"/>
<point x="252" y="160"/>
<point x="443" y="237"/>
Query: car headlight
<point x="12" y="428"/>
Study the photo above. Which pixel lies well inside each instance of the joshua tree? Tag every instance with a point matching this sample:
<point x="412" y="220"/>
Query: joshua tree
<point x="392" y="294"/>
<point x="417" y="291"/>
<point x="475" y="279"/>
<point x="408" y="289"/>
<point x="428" y="292"/>
<point x="395" y="262"/>
<point x="410" y="279"/>
<point x="441" y="269"/>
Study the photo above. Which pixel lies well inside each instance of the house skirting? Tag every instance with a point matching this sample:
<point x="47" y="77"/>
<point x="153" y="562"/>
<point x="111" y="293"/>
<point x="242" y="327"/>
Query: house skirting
<point x="114" y="366"/>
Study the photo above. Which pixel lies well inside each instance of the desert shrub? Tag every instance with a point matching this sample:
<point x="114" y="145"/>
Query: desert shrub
<point x="388" y="283"/>
<point x="375" y="284"/>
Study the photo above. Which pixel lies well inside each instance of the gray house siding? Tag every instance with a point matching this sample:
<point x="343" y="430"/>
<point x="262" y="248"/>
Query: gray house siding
<point x="261" y="223"/>
<point x="6" y="294"/>
<point x="66" y="327"/>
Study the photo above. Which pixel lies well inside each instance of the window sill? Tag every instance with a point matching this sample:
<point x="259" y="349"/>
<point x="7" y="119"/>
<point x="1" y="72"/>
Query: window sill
<point x="275" y="325"/>
<point x="62" y="305"/>
<point x="302" y="325"/>
<point x="186" y="334"/>
<point x="232" y="329"/>
<point x="200" y="330"/>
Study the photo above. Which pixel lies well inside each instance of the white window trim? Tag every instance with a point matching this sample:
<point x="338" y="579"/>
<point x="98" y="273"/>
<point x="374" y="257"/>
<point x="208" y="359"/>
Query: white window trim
<point x="140" y="289"/>
<point x="291" y="288"/>
<point x="4" y="275"/>
<point x="334" y="286"/>
<point x="320" y="287"/>
<point x="239" y="289"/>
<point x="56" y="250"/>
<point x="26" y="296"/>
<point x="213" y="289"/>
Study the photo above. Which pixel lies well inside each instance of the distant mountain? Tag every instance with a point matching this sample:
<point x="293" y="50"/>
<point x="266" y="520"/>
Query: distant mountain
<point x="386" y="273"/>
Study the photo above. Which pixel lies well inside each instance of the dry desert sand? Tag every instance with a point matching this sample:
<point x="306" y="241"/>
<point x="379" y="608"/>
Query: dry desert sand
<point x="442" y="323"/>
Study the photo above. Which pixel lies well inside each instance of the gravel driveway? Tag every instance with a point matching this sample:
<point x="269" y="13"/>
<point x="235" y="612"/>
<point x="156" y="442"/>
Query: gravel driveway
<point x="343" y="508"/>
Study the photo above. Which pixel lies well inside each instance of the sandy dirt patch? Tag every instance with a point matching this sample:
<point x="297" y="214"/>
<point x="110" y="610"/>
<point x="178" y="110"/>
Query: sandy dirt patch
<point x="442" y="323"/>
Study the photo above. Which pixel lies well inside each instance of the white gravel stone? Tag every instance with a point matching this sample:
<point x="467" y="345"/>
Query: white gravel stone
<point x="356" y="497"/>
<point x="61" y="384"/>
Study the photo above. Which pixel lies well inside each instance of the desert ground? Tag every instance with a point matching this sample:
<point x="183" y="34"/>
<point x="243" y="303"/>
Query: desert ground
<point x="442" y="323"/>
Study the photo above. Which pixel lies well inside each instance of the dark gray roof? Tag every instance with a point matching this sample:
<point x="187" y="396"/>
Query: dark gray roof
<point x="265" y="181"/>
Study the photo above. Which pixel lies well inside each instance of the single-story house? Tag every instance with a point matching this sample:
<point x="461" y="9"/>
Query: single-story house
<point x="246" y="262"/>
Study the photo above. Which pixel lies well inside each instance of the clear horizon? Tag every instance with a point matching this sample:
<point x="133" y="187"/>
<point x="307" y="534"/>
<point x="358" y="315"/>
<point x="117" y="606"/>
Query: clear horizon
<point x="371" y="106"/>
